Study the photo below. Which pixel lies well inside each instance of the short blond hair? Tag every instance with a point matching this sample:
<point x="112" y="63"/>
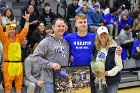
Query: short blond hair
<point x="80" y="16"/>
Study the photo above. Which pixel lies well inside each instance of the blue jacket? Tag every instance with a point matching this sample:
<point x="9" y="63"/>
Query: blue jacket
<point x="110" y="19"/>
<point x="88" y="14"/>
<point x="97" y="18"/>
<point x="122" y="23"/>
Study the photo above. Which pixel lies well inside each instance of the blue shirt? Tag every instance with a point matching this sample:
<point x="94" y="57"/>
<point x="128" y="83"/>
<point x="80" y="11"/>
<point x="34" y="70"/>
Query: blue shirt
<point x="81" y="48"/>
<point x="135" y="44"/>
<point x="110" y="19"/>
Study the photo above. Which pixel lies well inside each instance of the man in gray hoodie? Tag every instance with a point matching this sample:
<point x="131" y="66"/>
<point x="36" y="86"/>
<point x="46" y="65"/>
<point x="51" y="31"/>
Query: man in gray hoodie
<point x="52" y="53"/>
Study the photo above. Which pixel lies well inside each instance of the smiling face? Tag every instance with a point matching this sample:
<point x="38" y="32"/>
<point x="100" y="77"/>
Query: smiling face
<point x="12" y="32"/>
<point x="103" y="37"/>
<point x="81" y="24"/>
<point x="41" y="27"/>
<point x="8" y="13"/>
<point x="59" y="28"/>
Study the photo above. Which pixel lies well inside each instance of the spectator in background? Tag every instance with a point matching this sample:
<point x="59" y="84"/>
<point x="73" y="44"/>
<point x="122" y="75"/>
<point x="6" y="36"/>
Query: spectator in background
<point x="32" y="21"/>
<point x="71" y="14"/>
<point x="124" y="3"/>
<point x="1" y="64"/>
<point x="26" y="50"/>
<point x="135" y="12"/>
<point x="97" y="17"/>
<point x="52" y="53"/>
<point x="103" y="4"/>
<point x="47" y="16"/>
<point x="34" y="4"/>
<point x="49" y="30"/>
<point x="66" y="30"/>
<point x="3" y="6"/>
<point x="111" y="22"/>
<point x="125" y="20"/>
<point x="38" y="34"/>
<point x="87" y="11"/>
<point x="126" y="39"/>
<point x="136" y="27"/>
<point x="136" y="48"/>
<point x="8" y="18"/>
<point x="12" y="66"/>
<point x="32" y="78"/>
<point x="118" y="13"/>
<point x="71" y="9"/>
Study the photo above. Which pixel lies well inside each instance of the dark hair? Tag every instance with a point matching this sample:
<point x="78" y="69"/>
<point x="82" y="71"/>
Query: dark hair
<point x="48" y="27"/>
<point x="54" y="21"/>
<point x="113" y="9"/>
<point x="39" y="22"/>
<point x="29" y="3"/>
<point x="46" y="4"/>
<point x="11" y="16"/>
<point x="126" y="27"/>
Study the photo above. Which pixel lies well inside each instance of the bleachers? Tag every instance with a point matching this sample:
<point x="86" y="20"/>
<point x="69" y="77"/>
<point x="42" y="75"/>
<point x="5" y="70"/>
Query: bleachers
<point x="130" y="75"/>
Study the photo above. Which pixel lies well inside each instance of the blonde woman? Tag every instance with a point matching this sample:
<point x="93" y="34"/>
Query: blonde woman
<point x="106" y="51"/>
<point x="136" y="27"/>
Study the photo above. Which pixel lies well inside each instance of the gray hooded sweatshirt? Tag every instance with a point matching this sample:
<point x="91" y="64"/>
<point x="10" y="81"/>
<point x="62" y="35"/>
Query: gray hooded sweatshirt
<point x="51" y="50"/>
<point x="32" y="70"/>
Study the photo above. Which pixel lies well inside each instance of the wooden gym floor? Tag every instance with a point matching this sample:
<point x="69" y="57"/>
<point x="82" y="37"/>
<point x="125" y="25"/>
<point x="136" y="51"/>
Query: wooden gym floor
<point x="130" y="90"/>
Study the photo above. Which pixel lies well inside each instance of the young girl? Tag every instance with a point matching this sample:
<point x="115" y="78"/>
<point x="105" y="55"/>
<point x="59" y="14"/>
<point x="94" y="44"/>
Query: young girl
<point x="8" y="17"/>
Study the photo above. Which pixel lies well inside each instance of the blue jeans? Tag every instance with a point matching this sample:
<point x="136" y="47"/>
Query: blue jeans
<point x="48" y="88"/>
<point x="113" y="88"/>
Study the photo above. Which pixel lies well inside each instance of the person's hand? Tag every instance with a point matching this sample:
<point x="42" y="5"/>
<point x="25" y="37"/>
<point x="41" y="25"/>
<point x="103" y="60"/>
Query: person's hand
<point x="115" y="23"/>
<point x="35" y="22"/>
<point x="102" y="74"/>
<point x="40" y="84"/>
<point x="56" y="66"/>
<point x="119" y="50"/>
<point x="26" y="16"/>
<point x="101" y="24"/>
<point x="132" y="39"/>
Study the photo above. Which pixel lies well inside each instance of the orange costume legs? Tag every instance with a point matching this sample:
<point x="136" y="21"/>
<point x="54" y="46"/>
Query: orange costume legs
<point x="9" y="79"/>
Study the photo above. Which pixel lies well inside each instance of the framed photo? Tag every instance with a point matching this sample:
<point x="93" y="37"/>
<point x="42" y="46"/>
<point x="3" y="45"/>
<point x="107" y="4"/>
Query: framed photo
<point x="72" y="80"/>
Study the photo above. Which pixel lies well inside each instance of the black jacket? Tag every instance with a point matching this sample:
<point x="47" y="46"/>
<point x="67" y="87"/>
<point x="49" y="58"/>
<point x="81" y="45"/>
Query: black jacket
<point x="47" y="18"/>
<point x="37" y="37"/>
<point x="71" y="11"/>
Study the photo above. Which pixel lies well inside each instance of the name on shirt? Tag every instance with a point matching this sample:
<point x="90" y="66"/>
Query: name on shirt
<point x="82" y="44"/>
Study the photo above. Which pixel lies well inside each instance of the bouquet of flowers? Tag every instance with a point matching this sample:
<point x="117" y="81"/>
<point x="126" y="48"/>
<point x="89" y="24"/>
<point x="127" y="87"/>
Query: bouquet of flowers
<point x="97" y="67"/>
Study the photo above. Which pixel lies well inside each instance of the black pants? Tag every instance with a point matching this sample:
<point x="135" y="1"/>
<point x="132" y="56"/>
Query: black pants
<point x="128" y="46"/>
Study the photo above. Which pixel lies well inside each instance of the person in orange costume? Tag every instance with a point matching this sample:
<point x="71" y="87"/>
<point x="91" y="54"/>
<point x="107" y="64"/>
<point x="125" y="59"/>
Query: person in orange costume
<point x="12" y="66"/>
